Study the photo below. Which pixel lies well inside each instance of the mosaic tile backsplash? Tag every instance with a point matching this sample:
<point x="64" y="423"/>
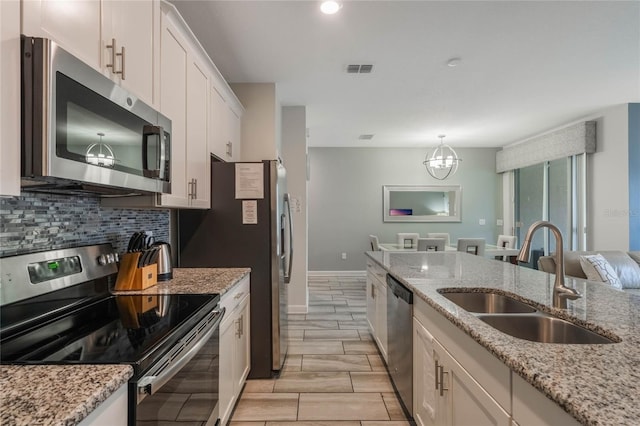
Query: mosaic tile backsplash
<point x="37" y="222"/>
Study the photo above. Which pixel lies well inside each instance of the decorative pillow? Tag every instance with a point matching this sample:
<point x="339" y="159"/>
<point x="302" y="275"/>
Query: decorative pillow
<point x="635" y="255"/>
<point x="626" y="269"/>
<point x="596" y="268"/>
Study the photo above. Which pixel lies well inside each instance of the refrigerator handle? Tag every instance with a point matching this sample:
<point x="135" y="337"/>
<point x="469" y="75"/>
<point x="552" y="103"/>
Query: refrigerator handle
<point x="289" y="254"/>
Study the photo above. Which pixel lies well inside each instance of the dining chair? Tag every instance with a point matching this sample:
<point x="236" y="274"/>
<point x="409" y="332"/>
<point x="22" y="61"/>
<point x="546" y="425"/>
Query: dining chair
<point x="445" y="235"/>
<point x="472" y="245"/>
<point x="431" y="244"/>
<point x="506" y="241"/>
<point x="374" y="242"/>
<point x="408" y="240"/>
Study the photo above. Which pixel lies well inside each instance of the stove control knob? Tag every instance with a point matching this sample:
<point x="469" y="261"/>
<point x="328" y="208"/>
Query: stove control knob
<point x="110" y="258"/>
<point x="102" y="260"/>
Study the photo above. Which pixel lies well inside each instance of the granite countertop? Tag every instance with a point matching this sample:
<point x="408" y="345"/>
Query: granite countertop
<point x="56" y="394"/>
<point x="66" y="394"/>
<point x="596" y="384"/>
<point x="196" y="281"/>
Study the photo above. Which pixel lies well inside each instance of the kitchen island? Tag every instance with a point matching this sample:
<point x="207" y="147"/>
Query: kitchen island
<point x="69" y="394"/>
<point x="594" y="384"/>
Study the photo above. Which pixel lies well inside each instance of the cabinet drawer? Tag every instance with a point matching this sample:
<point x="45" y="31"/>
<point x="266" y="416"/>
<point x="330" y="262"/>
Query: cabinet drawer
<point x="232" y="298"/>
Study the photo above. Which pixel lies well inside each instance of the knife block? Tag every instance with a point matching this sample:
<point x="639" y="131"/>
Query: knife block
<point x="130" y="277"/>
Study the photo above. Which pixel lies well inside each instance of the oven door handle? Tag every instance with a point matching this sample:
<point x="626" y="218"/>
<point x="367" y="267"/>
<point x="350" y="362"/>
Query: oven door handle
<point x="148" y="385"/>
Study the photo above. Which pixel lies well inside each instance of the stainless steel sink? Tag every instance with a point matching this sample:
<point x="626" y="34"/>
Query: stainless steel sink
<point x="543" y="328"/>
<point x="487" y="302"/>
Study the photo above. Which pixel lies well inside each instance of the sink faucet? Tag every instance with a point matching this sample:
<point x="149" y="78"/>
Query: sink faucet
<point x="560" y="292"/>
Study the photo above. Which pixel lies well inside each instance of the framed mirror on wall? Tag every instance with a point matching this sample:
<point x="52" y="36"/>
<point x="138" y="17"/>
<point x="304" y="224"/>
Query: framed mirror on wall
<point x="421" y="203"/>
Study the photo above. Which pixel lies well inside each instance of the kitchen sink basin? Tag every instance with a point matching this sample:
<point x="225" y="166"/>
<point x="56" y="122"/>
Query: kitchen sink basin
<point x="543" y="328"/>
<point x="487" y="302"/>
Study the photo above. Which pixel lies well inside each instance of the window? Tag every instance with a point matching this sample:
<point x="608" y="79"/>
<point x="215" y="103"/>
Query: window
<point x="554" y="191"/>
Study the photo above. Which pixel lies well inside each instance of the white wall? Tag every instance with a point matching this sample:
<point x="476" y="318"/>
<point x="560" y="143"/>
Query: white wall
<point x="345" y="200"/>
<point x="260" y="121"/>
<point x="294" y="157"/>
<point x="608" y="182"/>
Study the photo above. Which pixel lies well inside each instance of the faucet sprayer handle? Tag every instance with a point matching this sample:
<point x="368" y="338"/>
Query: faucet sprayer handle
<point x="568" y="293"/>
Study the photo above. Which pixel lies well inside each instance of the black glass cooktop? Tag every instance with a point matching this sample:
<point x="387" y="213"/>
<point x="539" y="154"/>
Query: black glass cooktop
<point x="94" y="329"/>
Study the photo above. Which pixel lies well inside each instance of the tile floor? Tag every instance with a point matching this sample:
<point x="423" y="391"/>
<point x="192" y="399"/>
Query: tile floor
<point x="333" y="373"/>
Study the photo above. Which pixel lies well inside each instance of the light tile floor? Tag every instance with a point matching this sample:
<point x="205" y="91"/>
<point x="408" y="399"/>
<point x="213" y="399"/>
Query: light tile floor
<point x="333" y="374"/>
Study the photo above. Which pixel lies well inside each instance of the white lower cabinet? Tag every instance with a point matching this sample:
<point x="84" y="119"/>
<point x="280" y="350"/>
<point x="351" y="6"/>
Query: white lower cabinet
<point x="113" y="411"/>
<point x="235" y="350"/>
<point x="455" y="380"/>
<point x="371" y="303"/>
<point x="531" y="407"/>
<point x="377" y="306"/>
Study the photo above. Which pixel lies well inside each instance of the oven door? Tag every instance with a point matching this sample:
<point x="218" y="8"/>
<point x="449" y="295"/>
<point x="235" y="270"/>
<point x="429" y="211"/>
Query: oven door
<point x="80" y="126"/>
<point x="182" y="386"/>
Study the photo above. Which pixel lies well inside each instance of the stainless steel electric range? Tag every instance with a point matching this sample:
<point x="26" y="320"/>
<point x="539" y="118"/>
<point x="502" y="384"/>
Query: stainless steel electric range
<point x="56" y="308"/>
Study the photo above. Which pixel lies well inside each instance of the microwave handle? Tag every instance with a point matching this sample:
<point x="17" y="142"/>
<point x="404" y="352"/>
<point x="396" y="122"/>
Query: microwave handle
<point x="147" y="132"/>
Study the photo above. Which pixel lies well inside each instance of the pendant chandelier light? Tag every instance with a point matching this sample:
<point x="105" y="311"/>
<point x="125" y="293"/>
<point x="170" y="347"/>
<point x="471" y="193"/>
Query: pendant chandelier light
<point x="442" y="162"/>
<point x="100" y="158"/>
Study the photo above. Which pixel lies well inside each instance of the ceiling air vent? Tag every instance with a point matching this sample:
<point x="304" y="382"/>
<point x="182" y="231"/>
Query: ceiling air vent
<point x="359" y="69"/>
<point x="365" y="137"/>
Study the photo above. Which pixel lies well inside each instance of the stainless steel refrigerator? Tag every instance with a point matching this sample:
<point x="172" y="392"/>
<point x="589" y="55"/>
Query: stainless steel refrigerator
<point x="248" y="225"/>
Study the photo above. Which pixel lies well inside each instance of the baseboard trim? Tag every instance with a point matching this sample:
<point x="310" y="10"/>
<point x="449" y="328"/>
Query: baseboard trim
<point x="325" y="274"/>
<point x="298" y="309"/>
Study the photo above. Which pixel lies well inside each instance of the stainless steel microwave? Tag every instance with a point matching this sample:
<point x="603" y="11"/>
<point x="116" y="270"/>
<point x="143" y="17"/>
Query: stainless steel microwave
<point x="82" y="133"/>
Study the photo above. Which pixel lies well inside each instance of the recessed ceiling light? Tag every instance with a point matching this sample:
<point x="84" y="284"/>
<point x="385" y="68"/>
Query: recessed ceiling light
<point x="330" y="7"/>
<point x="454" y="62"/>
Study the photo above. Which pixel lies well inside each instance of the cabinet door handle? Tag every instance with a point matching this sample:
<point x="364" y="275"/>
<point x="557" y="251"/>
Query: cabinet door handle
<point x="192" y="189"/>
<point x="112" y="46"/>
<point x="239" y="295"/>
<point x="435" y="375"/>
<point x="239" y="330"/>
<point x="121" y="54"/>
<point x="442" y="373"/>
<point x="373" y="291"/>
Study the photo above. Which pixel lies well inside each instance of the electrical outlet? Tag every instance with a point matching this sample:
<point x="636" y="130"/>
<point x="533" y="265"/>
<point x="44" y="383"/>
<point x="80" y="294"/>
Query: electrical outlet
<point x="499" y="222"/>
<point x="344" y="256"/>
<point x="481" y="221"/>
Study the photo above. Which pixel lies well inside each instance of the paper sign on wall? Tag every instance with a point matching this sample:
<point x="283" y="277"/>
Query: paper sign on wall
<point x="249" y="212"/>
<point x="249" y="181"/>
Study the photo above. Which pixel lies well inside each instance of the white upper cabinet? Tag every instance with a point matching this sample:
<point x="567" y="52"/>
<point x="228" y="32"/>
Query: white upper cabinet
<point x="173" y="104"/>
<point x="88" y="28"/>
<point x="10" y="97"/>
<point x="74" y="25"/>
<point x="198" y="164"/>
<point x="184" y="98"/>
<point x="225" y="125"/>
<point x="134" y="25"/>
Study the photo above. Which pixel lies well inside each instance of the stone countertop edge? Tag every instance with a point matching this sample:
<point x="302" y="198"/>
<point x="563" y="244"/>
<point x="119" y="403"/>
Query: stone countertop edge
<point x="196" y="281"/>
<point x="66" y="394"/>
<point x="580" y="378"/>
<point x="56" y="394"/>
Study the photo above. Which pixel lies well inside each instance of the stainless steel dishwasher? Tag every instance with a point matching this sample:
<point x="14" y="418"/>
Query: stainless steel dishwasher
<point x="400" y="340"/>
